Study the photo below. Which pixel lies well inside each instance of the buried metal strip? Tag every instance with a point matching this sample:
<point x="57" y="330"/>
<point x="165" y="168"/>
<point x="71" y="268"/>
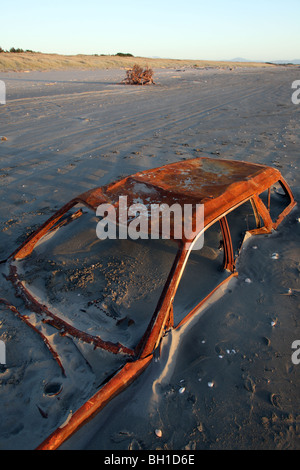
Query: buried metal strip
<point x="27" y="247"/>
<point x="194" y="311"/>
<point x="291" y="205"/>
<point x="90" y="408"/>
<point x="162" y="316"/>
<point x="64" y="327"/>
<point x="217" y="202"/>
<point x="228" y="251"/>
<point x="25" y="319"/>
<point x="116" y="385"/>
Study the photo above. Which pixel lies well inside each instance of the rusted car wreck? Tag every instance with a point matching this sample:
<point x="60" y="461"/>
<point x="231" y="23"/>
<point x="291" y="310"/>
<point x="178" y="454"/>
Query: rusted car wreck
<point x="239" y="198"/>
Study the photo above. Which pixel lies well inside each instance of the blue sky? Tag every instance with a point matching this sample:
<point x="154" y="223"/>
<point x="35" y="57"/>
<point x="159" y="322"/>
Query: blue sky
<point x="191" y="29"/>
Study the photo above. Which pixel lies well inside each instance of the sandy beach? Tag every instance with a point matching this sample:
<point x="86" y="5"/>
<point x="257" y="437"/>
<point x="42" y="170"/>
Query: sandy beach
<point x="63" y="132"/>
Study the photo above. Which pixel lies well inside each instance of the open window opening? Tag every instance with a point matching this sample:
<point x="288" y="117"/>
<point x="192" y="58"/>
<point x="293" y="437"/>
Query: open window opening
<point x="107" y="288"/>
<point x="276" y="199"/>
<point x="203" y="272"/>
<point x="242" y="220"/>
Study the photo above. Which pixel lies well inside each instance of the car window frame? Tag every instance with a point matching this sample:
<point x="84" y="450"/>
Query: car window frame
<point x="269" y="222"/>
<point x="229" y="258"/>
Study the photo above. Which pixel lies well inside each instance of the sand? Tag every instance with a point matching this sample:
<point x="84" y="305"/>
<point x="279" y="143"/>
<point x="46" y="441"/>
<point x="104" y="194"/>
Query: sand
<point x="70" y="131"/>
<point x="29" y="61"/>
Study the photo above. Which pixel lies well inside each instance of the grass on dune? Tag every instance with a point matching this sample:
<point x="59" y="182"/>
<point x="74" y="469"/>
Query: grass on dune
<point x="20" y="62"/>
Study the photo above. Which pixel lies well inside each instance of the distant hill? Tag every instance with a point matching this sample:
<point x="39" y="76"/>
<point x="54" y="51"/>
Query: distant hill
<point x="293" y="61"/>
<point x="241" y="59"/>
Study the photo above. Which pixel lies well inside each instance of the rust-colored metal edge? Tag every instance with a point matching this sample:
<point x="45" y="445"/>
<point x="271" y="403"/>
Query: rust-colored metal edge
<point x="26" y="320"/>
<point x="64" y="327"/>
<point x="215" y="207"/>
<point x="123" y="378"/>
<point x="194" y="311"/>
<point x="162" y="318"/>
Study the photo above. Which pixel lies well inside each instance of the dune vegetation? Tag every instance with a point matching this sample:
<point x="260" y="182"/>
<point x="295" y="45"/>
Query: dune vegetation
<point x="30" y="61"/>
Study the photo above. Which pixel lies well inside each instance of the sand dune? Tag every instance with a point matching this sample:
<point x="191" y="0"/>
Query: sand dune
<point x="20" y="62"/>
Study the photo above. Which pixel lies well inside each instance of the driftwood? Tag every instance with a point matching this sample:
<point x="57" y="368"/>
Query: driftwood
<point x="138" y="76"/>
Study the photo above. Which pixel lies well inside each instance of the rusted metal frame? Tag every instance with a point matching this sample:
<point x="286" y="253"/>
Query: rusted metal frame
<point x="26" y="320"/>
<point x="66" y="221"/>
<point x="131" y="370"/>
<point x="60" y="324"/>
<point x="122" y="379"/>
<point x="162" y="317"/>
<point x="195" y="310"/>
<point x="227" y="243"/>
<point x="170" y="320"/>
<point x="259" y="209"/>
<point x="164" y="312"/>
<point x="288" y="209"/>
<point x="256" y="213"/>
<point x="264" y="212"/>
<point x="90" y="199"/>
<point x="228" y="264"/>
<point x="25" y="250"/>
<point x="283" y="214"/>
<point x="287" y="189"/>
<point x="265" y="215"/>
<point x="161" y="320"/>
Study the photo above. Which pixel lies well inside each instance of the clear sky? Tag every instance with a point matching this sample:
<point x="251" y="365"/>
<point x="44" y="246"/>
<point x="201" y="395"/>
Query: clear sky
<point x="186" y="29"/>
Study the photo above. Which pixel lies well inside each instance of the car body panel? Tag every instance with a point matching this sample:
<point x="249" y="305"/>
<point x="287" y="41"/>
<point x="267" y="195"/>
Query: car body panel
<point x="221" y="186"/>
